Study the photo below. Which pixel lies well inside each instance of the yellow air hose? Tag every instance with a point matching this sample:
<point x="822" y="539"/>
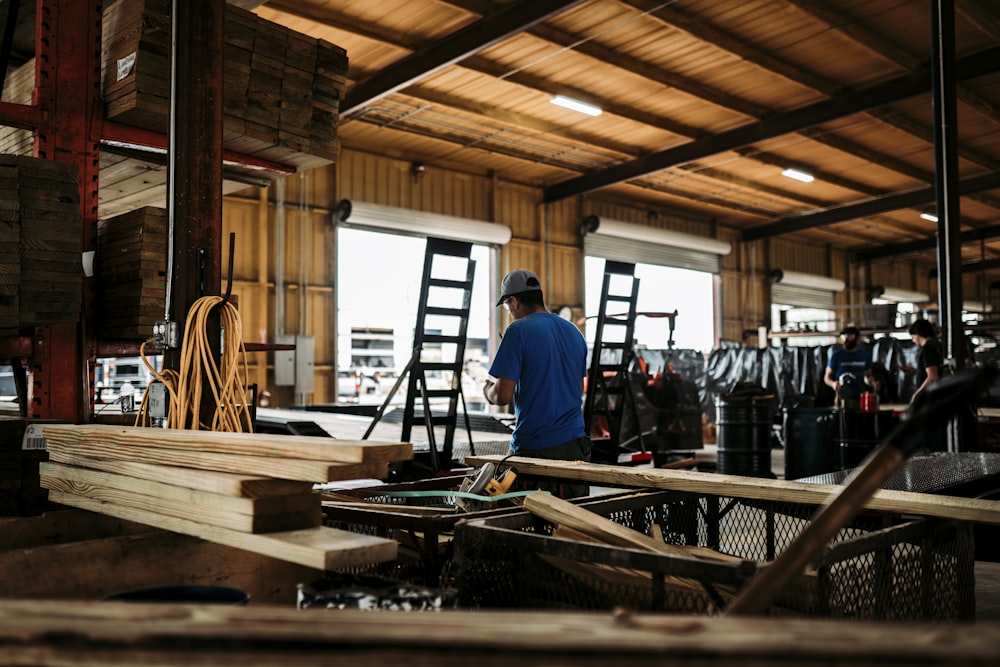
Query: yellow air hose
<point x="227" y="380"/>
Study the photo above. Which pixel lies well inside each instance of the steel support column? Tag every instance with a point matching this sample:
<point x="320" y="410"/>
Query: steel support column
<point x="68" y="79"/>
<point x="949" y="247"/>
<point x="195" y="145"/>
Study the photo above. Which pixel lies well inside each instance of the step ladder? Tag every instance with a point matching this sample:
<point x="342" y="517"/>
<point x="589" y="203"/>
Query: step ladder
<point x="438" y="350"/>
<point x="609" y="388"/>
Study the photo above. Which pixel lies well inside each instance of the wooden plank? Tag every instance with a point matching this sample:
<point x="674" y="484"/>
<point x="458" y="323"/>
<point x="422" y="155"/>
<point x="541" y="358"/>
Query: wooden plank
<point x="323" y="548"/>
<point x="294" y="502"/>
<point x="734" y="486"/>
<point x="203" y="480"/>
<point x="605" y="530"/>
<point x="192" y="511"/>
<point x="252" y="444"/>
<point x="74" y="632"/>
<point x="140" y="560"/>
<point x="300" y="469"/>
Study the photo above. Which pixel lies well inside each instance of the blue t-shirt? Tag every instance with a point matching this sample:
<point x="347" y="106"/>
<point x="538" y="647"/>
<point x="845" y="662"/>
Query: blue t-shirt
<point x="856" y="362"/>
<point x="547" y="357"/>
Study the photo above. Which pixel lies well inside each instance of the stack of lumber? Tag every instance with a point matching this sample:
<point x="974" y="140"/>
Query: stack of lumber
<point x="249" y="491"/>
<point x="281" y="89"/>
<point x="131" y="269"/>
<point x="42" y="275"/>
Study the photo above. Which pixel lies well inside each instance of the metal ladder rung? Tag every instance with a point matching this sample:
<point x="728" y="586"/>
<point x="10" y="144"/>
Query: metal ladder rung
<point x="441" y="338"/>
<point x="454" y="284"/>
<point x="447" y="312"/>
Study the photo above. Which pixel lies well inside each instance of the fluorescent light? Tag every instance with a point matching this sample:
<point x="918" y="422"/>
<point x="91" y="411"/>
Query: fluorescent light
<point x="576" y="105"/>
<point x="662" y="237"/>
<point x="798" y="175"/>
<point x="929" y="216"/>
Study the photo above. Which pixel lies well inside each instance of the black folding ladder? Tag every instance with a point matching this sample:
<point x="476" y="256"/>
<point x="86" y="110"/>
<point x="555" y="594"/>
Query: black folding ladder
<point x="445" y="296"/>
<point x="609" y="388"/>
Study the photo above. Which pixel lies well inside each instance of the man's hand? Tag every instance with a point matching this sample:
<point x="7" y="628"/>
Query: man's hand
<point x="487" y="389"/>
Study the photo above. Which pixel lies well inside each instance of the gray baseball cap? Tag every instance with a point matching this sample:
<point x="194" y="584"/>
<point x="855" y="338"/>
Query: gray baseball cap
<point x="517" y="281"/>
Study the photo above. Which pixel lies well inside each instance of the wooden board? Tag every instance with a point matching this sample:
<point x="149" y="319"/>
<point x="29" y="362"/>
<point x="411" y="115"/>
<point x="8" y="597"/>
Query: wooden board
<point x="323" y="548"/>
<point x="180" y="495"/>
<point x="252" y="444"/>
<point x="73" y="632"/>
<point x="66" y="569"/>
<point x="734" y="486"/>
<point x="61" y="485"/>
<point x="229" y="484"/>
<point x="296" y="469"/>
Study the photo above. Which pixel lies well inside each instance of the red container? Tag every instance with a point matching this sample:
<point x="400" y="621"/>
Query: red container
<point x="869" y="402"/>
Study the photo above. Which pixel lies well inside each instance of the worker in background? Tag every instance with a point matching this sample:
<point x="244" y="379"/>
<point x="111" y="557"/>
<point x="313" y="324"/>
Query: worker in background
<point x="849" y="370"/>
<point x="930" y="357"/>
<point x="540" y="366"/>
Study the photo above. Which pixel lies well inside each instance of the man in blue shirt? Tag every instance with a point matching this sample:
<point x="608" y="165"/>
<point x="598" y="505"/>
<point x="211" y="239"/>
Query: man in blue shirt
<point x="850" y="367"/>
<point x="540" y="365"/>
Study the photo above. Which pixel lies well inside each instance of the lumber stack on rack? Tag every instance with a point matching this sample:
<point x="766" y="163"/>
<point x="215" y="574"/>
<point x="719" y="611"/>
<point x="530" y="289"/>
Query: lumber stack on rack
<point x="249" y="491"/>
<point x="131" y="269"/>
<point x="41" y="274"/>
<point x="281" y="89"/>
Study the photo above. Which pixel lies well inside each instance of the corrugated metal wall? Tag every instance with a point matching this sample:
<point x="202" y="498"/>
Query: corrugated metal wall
<point x="546" y="238"/>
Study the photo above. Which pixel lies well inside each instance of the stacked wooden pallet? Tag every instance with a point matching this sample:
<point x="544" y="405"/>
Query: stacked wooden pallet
<point x="281" y="89"/>
<point x="131" y="269"/>
<point x="41" y="274"/>
<point x="250" y="491"/>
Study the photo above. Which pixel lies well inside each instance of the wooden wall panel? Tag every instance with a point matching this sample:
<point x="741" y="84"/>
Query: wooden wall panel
<point x="519" y="207"/>
<point x="381" y="180"/>
<point x="565" y="285"/>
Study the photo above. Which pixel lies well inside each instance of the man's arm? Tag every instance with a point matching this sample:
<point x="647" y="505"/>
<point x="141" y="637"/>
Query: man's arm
<point x="830" y="381"/>
<point x="499" y="392"/>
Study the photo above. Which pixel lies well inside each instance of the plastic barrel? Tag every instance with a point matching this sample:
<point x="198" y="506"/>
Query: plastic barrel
<point x="809" y="448"/>
<point x="185" y="594"/>
<point x="857" y="437"/>
<point x="744" y="434"/>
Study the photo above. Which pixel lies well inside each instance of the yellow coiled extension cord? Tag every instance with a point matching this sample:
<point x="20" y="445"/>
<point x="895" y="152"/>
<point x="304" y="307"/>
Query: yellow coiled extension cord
<point x="227" y="380"/>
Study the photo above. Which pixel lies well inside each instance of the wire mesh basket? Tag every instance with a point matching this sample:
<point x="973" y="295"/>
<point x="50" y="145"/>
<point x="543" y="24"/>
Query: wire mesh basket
<point x="880" y="567"/>
<point x="424" y="536"/>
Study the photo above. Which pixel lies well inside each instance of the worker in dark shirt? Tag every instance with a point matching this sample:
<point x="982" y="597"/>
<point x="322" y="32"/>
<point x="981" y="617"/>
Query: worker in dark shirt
<point x="930" y="357"/>
<point x="849" y="370"/>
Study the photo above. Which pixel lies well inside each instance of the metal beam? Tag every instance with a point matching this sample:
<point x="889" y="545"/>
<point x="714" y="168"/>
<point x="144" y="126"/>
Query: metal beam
<point x="471" y="39"/>
<point x="970" y="267"/>
<point x="850" y="103"/>
<point x="864" y="209"/>
<point x="923" y="245"/>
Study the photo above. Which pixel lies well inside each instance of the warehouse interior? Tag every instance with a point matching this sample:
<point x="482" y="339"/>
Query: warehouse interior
<point x="260" y="192"/>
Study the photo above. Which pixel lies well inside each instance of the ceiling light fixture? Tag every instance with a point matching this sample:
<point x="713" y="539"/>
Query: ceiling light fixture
<point x="576" y="105"/>
<point x="798" y="175"/>
<point x="929" y="217"/>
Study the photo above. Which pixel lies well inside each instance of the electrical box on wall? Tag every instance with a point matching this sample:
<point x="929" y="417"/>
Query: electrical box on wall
<point x="305" y="352"/>
<point x="284" y="362"/>
<point x="295" y="367"/>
